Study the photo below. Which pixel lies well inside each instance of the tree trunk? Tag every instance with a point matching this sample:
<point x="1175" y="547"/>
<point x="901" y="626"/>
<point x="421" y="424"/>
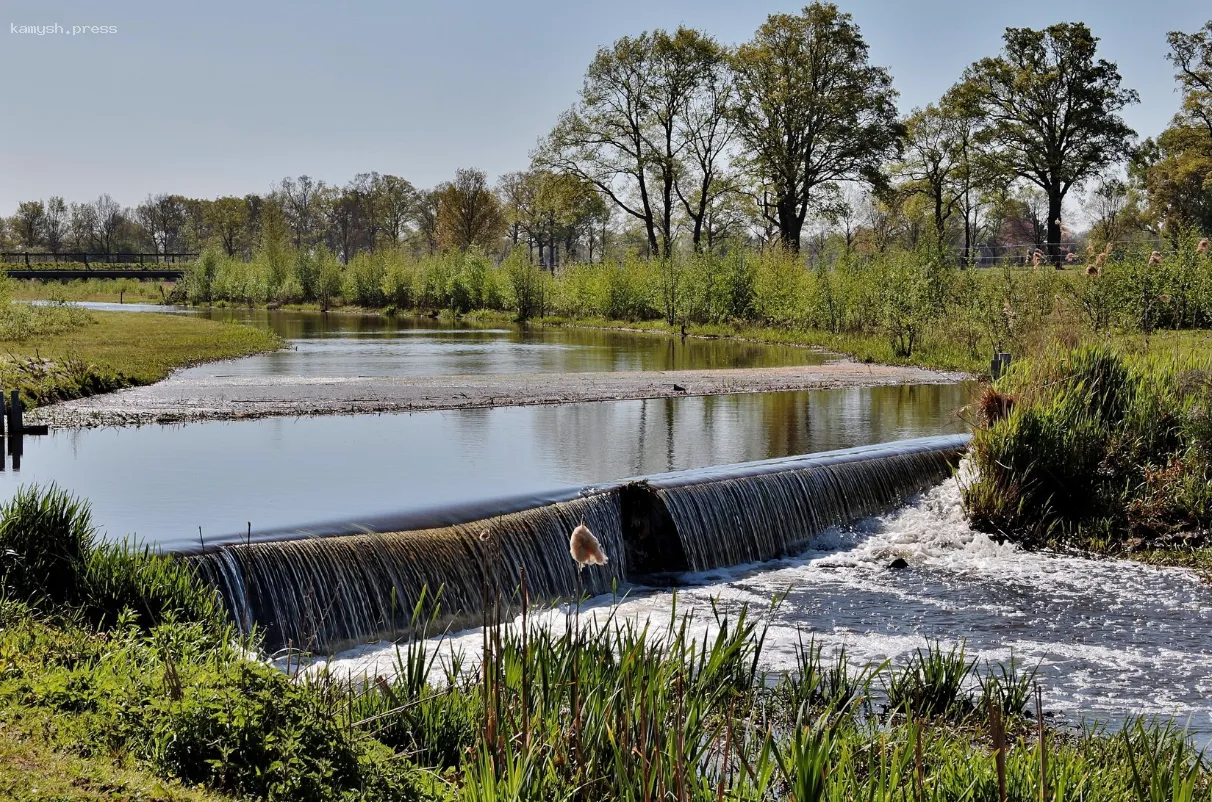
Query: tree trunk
<point x="1055" y="200"/>
<point x="940" y="224"/>
<point x="790" y="223"/>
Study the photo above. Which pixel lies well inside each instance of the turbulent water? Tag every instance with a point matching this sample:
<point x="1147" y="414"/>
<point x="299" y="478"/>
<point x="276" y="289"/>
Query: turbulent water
<point x="319" y="593"/>
<point x="356" y="585"/>
<point x="1112" y="638"/>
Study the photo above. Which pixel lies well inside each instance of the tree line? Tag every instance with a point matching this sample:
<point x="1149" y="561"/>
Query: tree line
<point x="677" y="141"/>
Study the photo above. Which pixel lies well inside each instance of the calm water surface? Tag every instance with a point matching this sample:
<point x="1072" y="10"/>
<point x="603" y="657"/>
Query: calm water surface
<point x="162" y="482"/>
<point x="340" y="344"/>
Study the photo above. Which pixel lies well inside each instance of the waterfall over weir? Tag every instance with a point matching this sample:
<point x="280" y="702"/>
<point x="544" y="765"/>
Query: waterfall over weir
<point x="326" y="592"/>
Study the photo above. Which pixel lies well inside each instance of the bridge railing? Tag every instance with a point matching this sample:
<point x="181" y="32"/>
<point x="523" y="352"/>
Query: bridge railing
<point x="38" y="258"/>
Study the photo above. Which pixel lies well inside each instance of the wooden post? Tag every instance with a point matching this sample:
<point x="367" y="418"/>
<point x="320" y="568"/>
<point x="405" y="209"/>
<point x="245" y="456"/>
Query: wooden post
<point x="14" y="412"/>
<point x="16" y="446"/>
<point x="2" y="414"/>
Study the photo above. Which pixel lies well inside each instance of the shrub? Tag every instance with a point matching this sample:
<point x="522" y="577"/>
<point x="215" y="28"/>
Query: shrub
<point x="933" y="683"/>
<point x="49" y="556"/>
<point x="156" y="588"/>
<point x="250" y="731"/>
<point x="45" y="538"/>
<point x="1097" y="446"/>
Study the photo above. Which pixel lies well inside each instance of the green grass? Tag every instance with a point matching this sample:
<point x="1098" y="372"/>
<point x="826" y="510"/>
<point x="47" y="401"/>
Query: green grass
<point x="32" y="771"/>
<point x="105" y="351"/>
<point x="51" y="559"/>
<point x="177" y="706"/>
<point x="1098" y="448"/>
<point x="1197" y="559"/>
<point x="102" y="290"/>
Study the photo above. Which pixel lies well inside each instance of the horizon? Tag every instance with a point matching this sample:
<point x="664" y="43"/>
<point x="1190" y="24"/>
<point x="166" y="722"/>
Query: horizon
<point x="242" y="101"/>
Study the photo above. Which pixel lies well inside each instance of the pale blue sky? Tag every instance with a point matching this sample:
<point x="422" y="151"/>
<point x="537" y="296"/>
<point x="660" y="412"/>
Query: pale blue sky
<point x="226" y="97"/>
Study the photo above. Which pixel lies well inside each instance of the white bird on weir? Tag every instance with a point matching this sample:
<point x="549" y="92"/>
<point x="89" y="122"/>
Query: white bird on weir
<point x="585" y="548"/>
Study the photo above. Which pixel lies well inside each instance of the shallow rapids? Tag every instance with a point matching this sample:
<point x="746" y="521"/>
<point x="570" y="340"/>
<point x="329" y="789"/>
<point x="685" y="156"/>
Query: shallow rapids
<point x="1112" y="638"/>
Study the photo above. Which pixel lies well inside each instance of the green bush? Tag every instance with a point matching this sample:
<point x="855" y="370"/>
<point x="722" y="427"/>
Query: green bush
<point x="248" y="730"/>
<point x="45" y="539"/>
<point x="50" y="557"/>
<point x="156" y="588"/>
<point x="1098" y="446"/>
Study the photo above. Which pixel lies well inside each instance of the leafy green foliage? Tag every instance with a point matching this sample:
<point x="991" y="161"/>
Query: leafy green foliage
<point x="1052" y="110"/>
<point x="49" y="556"/>
<point x="45" y="540"/>
<point x="1098" y="445"/>
<point x="811" y="109"/>
<point x="932" y="684"/>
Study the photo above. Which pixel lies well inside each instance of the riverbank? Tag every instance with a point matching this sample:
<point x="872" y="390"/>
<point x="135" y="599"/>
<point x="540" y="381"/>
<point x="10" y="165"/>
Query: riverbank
<point x="100" y="352"/>
<point x="123" y="681"/>
<point x="947" y="345"/>
<point x="182" y="399"/>
<point x="942" y="346"/>
<point x="1097" y="448"/>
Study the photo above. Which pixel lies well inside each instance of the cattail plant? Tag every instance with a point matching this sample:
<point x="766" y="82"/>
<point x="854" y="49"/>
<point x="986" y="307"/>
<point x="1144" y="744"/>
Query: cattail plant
<point x="584" y="547"/>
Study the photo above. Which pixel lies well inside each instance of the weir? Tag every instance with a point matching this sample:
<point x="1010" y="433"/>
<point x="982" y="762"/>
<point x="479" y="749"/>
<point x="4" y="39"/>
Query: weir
<point x="328" y="587"/>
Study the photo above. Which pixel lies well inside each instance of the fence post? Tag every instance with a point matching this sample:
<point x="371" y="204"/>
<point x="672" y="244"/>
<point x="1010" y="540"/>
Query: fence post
<point x="14" y="412"/>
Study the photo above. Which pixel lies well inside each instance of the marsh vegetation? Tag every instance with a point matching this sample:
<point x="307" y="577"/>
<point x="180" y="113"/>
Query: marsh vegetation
<point x="118" y="658"/>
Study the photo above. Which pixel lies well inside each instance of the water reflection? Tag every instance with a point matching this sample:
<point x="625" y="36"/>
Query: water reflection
<point x="162" y="482"/>
<point x="373" y="345"/>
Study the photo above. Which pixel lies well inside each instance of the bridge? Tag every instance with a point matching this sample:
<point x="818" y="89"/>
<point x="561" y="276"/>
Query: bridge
<point x="41" y="266"/>
<point x="72" y="274"/>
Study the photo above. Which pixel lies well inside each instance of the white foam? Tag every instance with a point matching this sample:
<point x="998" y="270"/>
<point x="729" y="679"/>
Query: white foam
<point x="1113" y="638"/>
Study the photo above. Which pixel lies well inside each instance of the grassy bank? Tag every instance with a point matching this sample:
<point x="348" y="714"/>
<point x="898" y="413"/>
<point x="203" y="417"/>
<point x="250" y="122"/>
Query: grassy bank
<point x="59" y="353"/>
<point x="118" y="677"/>
<point x="897" y="306"/>
<point x="98" y="290"/>
<point x="1099" y="448"/>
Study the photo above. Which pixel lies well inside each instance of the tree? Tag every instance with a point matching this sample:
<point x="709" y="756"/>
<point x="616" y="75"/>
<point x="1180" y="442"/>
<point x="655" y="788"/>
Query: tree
<point x="630" y="132"/>
<point x="468" y="212"/>
<point x="811" y="110"/>
<point x="110" y="221"/>
<point x="301" y="201"/>
<point x="934" y="159"/>
<point x="344" y="220"/>
<point x="84" y="226"/>
<point x="707" y="129"/>
<point x="1175" y="169"/>
<point x="1052" y="111"/>
<point x="1191" y="54"/>
<point x="163" y="219"/>
<point x="1106" y="205"/>
<point x="548" y="211"/>
<point x="226" y="220"/>
<point x="29" y="222"/>
<point x="427" y="219"/>
<point x="397" y="206"/>
<point x="55" y="223"/>
<point x="602" y="138"/>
